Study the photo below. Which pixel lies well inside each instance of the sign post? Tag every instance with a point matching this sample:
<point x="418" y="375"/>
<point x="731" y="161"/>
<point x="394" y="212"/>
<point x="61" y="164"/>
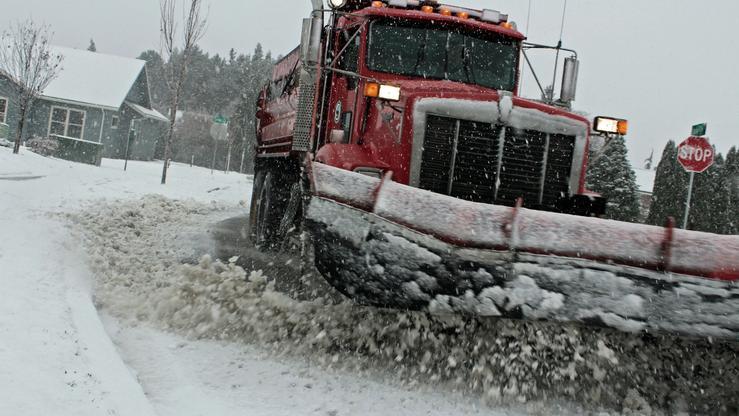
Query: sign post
<point x="219" y="132"/>
<point x="696" y="155"/>
<point x="689" y="202"/>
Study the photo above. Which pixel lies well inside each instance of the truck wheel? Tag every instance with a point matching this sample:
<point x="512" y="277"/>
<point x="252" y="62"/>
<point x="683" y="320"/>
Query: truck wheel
<point x="267" y="210"/>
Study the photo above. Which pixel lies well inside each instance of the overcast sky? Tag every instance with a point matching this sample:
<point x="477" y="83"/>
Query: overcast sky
<point x="663" y="64"/>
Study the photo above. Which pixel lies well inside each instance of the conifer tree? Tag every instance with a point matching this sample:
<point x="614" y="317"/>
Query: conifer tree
<point x="612" y="176"/>
<point x="708" y="211"/>
<point x="730" y="174"/>
<point x="92" y="47"/>
<point x="670" y="187"/>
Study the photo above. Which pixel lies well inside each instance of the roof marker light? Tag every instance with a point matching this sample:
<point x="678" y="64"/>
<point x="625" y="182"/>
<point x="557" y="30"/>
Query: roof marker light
<point x="427" y="9"/>
<point x="463" y="15"/>
<point x="445" y="12"/>
<point x="398" y="3"/>
<point x="378" y="4"/>
<point x="491" y="16"/>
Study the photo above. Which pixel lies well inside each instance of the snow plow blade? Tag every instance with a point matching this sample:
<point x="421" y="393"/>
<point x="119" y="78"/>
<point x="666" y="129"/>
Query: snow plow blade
<point x="390" y="245"/>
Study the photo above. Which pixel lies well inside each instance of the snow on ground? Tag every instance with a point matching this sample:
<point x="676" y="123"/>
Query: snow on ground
<point x="55" y="356"/>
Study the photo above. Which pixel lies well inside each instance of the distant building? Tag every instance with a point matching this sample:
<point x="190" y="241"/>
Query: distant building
<point x="98" y="106"/>
<point x="645" y="183"/>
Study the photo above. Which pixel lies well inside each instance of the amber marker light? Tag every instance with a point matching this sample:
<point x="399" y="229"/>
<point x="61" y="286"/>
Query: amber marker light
<point x="463" y="15"/>
<point x="427" y="9"/>
<point x="378" y="4"/>
<point x="445" y="12"/>
<point x="372" y="90"/>
<point x="623" y="127"/>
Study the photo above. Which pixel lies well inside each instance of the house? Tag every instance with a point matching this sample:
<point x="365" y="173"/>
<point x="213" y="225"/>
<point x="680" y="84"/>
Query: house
<point x="98" y="106"/>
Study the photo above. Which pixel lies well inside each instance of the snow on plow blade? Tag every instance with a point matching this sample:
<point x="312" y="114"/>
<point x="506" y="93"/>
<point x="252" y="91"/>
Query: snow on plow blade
<point x="391" y="245"/>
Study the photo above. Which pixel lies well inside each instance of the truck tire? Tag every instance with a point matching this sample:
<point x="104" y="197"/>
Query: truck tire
<point x="267" y="209"/>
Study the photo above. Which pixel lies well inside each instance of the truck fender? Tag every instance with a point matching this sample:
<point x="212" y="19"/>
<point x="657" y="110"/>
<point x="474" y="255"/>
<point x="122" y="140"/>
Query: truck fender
<point x="349" y="157"/>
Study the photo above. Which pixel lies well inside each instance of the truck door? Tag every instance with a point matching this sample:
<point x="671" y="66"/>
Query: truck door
<point x="344" y="89"/>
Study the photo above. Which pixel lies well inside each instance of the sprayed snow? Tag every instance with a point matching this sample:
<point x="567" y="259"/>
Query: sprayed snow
<point x="419" y="254"/>
<point x="500" y="361"/>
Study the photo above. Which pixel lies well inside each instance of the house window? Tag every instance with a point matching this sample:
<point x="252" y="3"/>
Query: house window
<point x="3" y="110"/>
<point x="114" y="122"/>
<point x="66" y="122"/>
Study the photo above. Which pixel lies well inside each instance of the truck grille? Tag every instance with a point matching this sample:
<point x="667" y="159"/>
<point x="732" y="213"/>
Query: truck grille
<point x="467" y="160"/>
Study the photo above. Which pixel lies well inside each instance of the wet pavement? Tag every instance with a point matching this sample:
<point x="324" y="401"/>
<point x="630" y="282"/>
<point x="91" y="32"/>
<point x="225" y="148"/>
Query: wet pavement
<point x="231" y="240"/>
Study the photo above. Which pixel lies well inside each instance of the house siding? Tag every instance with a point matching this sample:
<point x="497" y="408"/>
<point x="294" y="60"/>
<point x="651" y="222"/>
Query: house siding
<point x="8" y="90"/>
<point x="40" y="116"/>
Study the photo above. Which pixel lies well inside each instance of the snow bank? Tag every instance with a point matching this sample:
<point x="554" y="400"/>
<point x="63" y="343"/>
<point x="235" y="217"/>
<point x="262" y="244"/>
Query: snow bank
<point x="140" y="278"/>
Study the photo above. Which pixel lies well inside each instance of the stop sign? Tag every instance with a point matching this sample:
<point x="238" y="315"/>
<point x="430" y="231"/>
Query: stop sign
<point x="695" y="154"/>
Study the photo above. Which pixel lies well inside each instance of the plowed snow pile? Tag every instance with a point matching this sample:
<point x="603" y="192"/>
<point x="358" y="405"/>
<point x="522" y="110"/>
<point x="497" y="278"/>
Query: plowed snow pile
<point x="137" y="250"/>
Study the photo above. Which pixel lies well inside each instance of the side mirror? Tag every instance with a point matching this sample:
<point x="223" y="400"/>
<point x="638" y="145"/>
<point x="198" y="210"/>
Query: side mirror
<point x="569" y="80"/>
<point x="310" y="44"/>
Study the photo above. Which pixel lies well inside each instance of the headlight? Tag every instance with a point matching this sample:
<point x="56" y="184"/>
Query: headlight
<point x="611" y="125"/>
<point x="385" y="92"/>
<point x="337" y="4"/>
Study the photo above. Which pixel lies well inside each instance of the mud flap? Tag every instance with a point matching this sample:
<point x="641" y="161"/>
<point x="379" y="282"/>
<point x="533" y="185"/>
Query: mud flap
<point x="378" y="262"/>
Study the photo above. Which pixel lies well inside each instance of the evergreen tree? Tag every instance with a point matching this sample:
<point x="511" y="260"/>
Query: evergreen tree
<point x="670" y="187"/>
<point x="730" y="176"/>
<point x="214" y="85"/>
<point x="253" y="76"/>
<point x="157" y="84"/>
<point x="92" y="47"/>
<point x="612" y="176"/>
<point x="708" y="211"/>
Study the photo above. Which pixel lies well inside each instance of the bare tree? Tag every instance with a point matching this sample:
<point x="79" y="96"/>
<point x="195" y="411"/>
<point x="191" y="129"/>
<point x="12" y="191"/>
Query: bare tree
<point x="194" y="23"/>
<point x="27" y="60"/>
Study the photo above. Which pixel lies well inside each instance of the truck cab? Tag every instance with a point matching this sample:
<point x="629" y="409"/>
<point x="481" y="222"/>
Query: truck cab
<point x="430" y="94"/>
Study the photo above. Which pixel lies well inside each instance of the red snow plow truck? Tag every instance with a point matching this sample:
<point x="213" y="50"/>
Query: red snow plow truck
<point x="393" y="145"/>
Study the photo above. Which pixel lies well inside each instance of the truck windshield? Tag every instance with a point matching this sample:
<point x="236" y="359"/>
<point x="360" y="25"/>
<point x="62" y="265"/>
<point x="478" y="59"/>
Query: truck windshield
<point x="484" y="59"/>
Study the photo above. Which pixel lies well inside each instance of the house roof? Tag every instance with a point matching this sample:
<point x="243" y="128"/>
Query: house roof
<point x="93" y="78"/>
<point x="148" y="113"/>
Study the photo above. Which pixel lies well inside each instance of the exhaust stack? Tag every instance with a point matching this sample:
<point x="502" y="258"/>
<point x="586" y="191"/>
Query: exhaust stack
<point x="569" y="81"/>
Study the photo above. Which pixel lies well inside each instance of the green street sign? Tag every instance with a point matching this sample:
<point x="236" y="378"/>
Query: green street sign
<point x="699" y="130"/>
<point x="219" y="119"/>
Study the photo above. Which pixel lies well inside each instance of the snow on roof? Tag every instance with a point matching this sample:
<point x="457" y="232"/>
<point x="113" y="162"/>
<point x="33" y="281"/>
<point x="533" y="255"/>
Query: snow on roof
<point x="148" y="113"/>
<point x="645" y="180"/>
<point x="93" y="78"/>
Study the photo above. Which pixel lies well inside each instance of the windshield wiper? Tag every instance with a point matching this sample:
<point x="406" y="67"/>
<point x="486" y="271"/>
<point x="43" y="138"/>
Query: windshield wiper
<point x="467" y="65"/>
<point x="421" y="53"/>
